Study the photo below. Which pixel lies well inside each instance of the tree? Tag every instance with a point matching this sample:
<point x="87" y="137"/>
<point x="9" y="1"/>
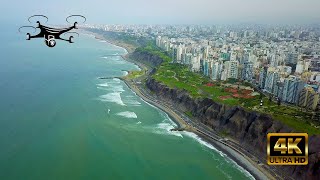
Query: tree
<point x="261" y="95"/>
<point x="279" y="102"/>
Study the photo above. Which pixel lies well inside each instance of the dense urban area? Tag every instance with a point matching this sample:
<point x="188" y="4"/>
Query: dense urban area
<point x="270" y="69"/>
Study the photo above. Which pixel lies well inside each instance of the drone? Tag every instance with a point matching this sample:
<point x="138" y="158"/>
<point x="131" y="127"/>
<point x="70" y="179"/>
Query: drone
<point x="51" y="34"/>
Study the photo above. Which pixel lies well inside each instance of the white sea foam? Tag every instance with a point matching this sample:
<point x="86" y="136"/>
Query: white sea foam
<point x="103" y="85"/>
<point x="204" y="143"/>
<point x="114" y="97"/>
<point x="114" y="59"/>
<point x="112" y="88"/>
<point x="139" y="122"/>
<point x="125" y="73"/>
<point x="132" y="102"/>
<point x="165" y="128"/>
<point x="138" y="68"/>
<point x="109" y="87"/>
<point x="128" y="114"/>
<point x="241" y="169"/>
<point x="117" y="88"/>
<point x="117" y="80"/>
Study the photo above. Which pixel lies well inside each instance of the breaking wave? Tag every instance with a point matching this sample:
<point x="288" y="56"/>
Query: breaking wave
<point x="114" y="97"/>
<point x="127" y="114"/>
<point x="229" y="160"/>
<point x="103" y="85"/>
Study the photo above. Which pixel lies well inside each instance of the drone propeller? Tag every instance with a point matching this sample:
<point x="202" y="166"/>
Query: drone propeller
<point x="76" y="16"/>
<point x="38" y="16"/>
<point x="27" y="27"/>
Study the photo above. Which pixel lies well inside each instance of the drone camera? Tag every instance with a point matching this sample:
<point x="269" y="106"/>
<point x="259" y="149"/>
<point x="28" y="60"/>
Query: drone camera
<point x="50" y="42"/>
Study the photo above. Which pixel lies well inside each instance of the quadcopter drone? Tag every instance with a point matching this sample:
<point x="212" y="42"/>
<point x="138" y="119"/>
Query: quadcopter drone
<point x="51" y="34"/>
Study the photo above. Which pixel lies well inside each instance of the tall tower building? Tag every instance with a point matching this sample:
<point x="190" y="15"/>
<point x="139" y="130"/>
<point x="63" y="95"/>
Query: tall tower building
<point x="291" y="90"/>
<point x="158" y="41"/>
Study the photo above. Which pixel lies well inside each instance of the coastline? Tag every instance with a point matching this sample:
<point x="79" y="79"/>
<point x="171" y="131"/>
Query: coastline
<point x="236" y="156"/>
<point x="239" y="158"/>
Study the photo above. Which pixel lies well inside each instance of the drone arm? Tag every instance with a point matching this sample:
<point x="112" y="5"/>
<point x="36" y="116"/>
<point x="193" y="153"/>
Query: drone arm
<point x="40" y="35"/>
<point x="68" y="40"/>
<point x="68" y="29"/>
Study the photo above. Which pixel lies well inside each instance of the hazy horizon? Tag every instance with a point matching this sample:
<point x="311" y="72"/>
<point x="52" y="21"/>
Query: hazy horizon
<point x="170" y="12"/>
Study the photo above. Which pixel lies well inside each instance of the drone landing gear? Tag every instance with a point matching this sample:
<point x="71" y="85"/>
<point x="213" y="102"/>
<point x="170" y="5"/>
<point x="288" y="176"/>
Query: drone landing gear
<point x="28" y="36"/>
<point x="70" y="39"/>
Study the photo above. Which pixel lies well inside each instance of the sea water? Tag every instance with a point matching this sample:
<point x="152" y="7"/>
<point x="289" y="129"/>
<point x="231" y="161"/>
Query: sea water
<point x="59" y="121"/>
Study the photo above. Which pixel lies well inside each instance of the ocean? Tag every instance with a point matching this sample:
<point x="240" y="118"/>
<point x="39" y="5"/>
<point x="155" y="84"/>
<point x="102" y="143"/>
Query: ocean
<point x="59" y="121"/>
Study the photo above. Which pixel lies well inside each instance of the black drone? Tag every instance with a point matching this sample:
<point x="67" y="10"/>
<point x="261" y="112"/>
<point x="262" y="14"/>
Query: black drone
<point x="51" y="34"/>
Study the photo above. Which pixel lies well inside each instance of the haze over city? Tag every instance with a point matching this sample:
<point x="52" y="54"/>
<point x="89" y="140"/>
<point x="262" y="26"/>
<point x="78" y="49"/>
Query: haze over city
<point x="171" y="12"/>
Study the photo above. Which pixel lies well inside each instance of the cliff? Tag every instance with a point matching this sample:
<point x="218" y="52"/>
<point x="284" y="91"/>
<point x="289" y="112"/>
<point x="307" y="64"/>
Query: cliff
<point x="145" y="57"/>
<point x="248" y="128"/>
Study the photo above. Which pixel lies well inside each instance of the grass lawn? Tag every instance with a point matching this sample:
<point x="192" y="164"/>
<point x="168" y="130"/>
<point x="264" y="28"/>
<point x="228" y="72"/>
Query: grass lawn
<point x="134" y="74"/>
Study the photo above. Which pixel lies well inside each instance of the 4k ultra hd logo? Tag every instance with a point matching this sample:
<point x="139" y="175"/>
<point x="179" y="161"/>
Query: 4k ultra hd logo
<point x="287" y="148"/>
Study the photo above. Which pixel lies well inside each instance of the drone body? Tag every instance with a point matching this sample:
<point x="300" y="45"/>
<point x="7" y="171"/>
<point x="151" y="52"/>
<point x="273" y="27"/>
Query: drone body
<point x="52" y="34"/>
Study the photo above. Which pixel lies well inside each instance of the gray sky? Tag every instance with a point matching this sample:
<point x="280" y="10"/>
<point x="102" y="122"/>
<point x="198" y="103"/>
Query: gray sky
<point x="168" y="11"/>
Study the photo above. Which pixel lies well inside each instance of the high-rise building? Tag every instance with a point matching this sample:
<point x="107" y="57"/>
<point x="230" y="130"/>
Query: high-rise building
<point x="215" y="71"/>
<point x="231" y="68"/>
<point x="291" y="90"/>
<point x="292" y="58"/>
<point x="206" y="52"/>
<point x="271" y="79"/>
<point x="247" y="71"/>
<point x="158" y="41"/>
<point x="308" y="98"/>
<point x="179" y="53"/>
<point x="195" y="63"/>
<point x="174" y="54"/>
<point x="206" y="67"/>
<point x="303" y="97"/>
<point x="313" y="100"/>
<point x="187" y="58"/>
<point x="225" y="56"/>
<point x="262" y="77"/>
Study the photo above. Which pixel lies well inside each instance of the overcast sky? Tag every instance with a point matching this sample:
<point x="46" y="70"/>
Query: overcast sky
<point x="168" y="11"/>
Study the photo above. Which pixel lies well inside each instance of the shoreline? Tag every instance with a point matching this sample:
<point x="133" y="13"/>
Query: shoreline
<point x="235" y="155"/>
<point x="232" y="154"/>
